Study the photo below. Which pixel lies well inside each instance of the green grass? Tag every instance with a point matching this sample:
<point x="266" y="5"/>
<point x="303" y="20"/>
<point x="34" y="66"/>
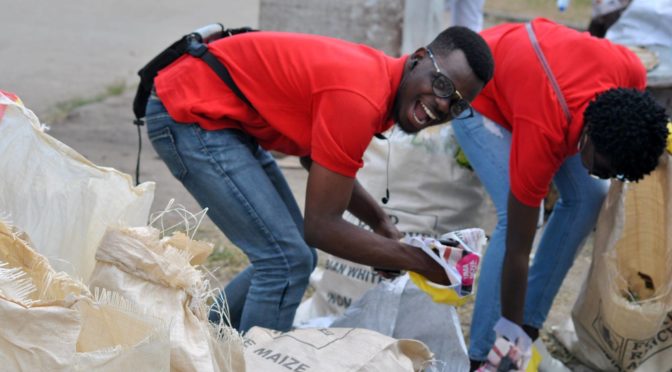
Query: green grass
<point x="576" y="16"/>
<point x="226" y="259"/>
<point x="63" y="109"/>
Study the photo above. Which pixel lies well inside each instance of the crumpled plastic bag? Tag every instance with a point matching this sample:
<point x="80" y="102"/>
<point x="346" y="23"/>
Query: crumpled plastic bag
<point x="506" y="356"/>
<point x="399" y="309"/>
<point x="459" y="253"/>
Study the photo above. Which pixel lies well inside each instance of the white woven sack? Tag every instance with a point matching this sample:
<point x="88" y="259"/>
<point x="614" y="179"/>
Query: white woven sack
<point x="157" y="275"/>
<point x="50" y="322"/>
<point x="332" y="350"/>
<point x="62" y="200"/>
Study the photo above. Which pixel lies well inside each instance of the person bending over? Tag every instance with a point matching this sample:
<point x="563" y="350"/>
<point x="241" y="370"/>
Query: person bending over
<point x="318" y="98"/>
<point x="562" y="107"/>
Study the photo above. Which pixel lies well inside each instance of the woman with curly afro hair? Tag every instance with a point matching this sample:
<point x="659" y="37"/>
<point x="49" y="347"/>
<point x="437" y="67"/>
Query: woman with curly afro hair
<point x="624" y="134"/>
<point x="562" y="107"/>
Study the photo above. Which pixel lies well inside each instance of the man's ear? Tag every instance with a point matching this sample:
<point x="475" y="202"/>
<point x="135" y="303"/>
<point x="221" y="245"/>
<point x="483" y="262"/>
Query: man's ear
<point x="417" y="56"/>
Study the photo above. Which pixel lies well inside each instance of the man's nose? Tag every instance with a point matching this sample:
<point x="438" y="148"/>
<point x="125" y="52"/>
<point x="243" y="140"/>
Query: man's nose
<point x="443" y="106"/>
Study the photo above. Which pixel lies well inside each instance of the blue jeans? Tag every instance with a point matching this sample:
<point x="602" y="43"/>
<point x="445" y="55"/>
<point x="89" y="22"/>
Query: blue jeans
<point x="249" y="200"/>
<point x="487" y="146"/>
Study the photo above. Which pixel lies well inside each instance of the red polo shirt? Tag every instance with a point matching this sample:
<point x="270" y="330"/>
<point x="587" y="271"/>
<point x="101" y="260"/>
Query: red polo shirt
<point x="312" y="95"/>
<point x="521" y="98"/>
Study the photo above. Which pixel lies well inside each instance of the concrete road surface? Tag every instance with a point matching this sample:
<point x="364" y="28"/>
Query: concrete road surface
<point x="53" y="51"/>
<point x="71" y="50"/>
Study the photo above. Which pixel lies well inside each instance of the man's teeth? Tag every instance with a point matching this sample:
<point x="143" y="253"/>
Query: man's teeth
<point x="427" y="111"/>
<point x="421" y="122"/>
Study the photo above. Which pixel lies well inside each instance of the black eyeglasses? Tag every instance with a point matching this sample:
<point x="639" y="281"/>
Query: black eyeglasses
<point x="443" y="87"/>
<point x="596" y="170"/>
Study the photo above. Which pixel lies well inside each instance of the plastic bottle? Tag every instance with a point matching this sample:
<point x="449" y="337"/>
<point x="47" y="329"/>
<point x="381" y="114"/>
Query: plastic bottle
<point x="563" y="5"/>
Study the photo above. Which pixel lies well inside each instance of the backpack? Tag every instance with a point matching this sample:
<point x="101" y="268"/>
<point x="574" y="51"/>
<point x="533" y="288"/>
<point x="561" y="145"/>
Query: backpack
<point x="194" y="43"/>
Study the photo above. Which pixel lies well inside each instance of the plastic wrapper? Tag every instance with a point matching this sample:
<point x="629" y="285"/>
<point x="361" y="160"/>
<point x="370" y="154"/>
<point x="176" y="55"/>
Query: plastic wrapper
<point x="459" y="253"/>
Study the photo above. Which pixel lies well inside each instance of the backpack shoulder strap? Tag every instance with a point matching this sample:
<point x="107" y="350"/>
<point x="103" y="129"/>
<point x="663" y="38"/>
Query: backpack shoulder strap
<point x="200" y="50"/>
<point x="195" y="44"/>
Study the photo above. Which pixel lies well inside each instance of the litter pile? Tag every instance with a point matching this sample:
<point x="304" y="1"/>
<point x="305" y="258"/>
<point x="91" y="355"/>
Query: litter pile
<point x="145" y="302"/>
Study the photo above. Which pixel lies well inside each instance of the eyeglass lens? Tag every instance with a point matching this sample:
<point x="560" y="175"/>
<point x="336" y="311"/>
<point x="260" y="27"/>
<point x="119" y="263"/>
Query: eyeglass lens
<point x="443" y="87"/>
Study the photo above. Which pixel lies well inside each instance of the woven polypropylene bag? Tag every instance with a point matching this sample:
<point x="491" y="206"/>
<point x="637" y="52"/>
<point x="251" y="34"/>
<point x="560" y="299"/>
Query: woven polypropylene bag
<point x="623" y="317"/>
<point x="332" y="350"/>
<point x="62" y="200"/>
<point x="157" y="275"/>
<point x="51" y="322"/>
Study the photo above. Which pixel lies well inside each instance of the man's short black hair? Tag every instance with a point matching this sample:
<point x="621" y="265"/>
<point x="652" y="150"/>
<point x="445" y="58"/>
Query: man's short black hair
<point x="629" y="128"/>
<point x="472" y="44"/>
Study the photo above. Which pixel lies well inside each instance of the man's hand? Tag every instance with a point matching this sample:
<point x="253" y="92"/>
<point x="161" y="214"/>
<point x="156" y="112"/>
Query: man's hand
<point x="428" y="268"/>
<point x="431" y="269"/>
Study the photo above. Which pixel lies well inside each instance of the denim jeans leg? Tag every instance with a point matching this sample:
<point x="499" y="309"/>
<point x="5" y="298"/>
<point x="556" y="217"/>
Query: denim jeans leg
<point x="226" y="171"/>
<point x="238" y="287"/>
<point x="282" y="187"/>
<point x="231" y="300"/>
<point x="487" y="146"/>
<point x="573" y="218"/>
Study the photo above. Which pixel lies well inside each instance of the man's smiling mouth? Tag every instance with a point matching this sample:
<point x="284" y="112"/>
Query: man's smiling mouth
<point x="422" y="114"/>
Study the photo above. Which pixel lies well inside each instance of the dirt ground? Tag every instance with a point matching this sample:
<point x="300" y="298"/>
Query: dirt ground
<point x="74" y="64"/>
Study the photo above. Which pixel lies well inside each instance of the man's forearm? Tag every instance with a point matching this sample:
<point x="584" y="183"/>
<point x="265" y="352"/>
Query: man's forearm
<point x="514" y="286"/>
<point x="327" y="196"/>
<point x="363" y="206"/>
<point x="340" y="238"/>
<point x="521" y="226"/>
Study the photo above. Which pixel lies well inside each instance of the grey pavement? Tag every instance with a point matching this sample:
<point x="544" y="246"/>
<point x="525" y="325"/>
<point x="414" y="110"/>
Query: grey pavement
<point x="67" y="50"/>
<point x="54" y="51"/>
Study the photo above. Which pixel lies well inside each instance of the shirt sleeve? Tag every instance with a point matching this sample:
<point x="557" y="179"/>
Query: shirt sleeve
<point x="343" y="125"/>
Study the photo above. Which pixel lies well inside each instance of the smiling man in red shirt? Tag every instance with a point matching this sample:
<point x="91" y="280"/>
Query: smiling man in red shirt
<point x="562" y="106"/>
<point x="318" y="98"/>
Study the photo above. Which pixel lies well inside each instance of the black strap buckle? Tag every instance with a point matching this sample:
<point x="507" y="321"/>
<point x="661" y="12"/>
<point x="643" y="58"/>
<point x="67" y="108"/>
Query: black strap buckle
<point x="195" y="46"/>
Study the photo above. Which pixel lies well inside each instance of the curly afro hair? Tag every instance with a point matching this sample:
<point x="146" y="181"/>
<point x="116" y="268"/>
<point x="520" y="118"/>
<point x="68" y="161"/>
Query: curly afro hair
<point x="629" y="128"/>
